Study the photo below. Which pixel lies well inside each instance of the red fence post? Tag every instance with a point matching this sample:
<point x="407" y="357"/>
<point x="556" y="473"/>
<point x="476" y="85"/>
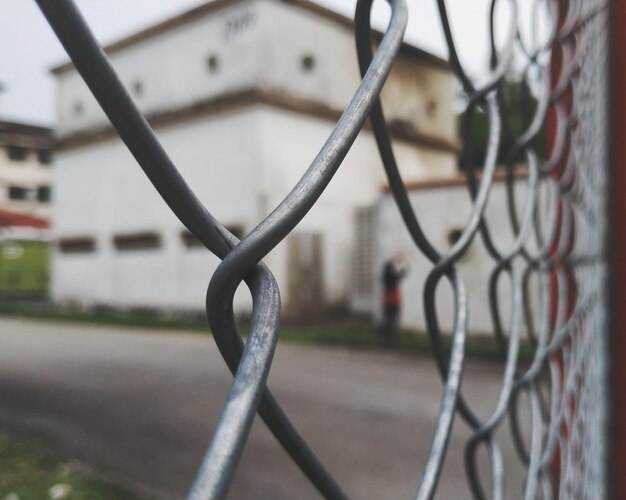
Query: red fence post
<point x="557" y="62"/>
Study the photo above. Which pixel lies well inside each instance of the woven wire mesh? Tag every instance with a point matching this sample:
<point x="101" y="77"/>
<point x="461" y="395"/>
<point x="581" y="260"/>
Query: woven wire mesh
<point x="554" y="264"/>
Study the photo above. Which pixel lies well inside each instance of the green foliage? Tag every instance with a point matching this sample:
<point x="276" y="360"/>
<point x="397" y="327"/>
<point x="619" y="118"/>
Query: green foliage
<point x="24" y="268"/>
<point x="141" y="318"/>
<point x="518" y="105"/>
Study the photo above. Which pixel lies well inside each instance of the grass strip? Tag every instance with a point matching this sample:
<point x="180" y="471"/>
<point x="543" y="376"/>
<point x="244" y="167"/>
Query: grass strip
<point x="30" y="472"/>
<point x="340" y="333"/>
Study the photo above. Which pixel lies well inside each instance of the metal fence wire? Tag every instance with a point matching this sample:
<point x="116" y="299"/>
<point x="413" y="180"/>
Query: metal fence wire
<point x="554" y="266"/>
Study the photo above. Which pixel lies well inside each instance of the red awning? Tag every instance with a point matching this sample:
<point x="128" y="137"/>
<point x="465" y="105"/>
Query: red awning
<point x="13" y="219"/>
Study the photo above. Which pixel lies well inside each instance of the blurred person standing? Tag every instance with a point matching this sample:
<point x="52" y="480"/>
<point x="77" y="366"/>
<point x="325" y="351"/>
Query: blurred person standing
<point x="394" y="271"/>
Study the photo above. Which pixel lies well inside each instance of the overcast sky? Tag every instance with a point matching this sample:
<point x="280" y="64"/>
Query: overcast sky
<point x="28" y="48"/>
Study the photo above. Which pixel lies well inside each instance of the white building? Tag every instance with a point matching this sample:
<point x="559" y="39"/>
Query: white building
<point x="442" y="207"/>
<point x="242" y="94"/>
<point x="25" y="176"/>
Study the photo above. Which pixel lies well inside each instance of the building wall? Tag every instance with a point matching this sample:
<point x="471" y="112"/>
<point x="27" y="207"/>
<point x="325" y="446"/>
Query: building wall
<point x="241" y="164"/>
<point x="290" y="142"/>
<point x="102" y="193"/>
<point x="441" y="211"/>
<point x="242" y="161"/>
<point x="258" y="44"/>
<point x="173" y="68"/>
<point x="29" y="176"/>
<point x="417" y="93"/>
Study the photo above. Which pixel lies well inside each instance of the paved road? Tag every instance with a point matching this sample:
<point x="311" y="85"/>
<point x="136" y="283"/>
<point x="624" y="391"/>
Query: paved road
<point x="139" y="407"/>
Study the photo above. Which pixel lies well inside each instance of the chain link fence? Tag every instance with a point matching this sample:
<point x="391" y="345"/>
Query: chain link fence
<point x="551" y="132"/>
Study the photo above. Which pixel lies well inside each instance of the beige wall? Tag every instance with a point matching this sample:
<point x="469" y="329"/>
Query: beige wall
<point x="289" y="34"/>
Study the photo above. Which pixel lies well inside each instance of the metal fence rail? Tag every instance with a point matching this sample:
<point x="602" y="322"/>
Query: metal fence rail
<point x="556" y="252"/>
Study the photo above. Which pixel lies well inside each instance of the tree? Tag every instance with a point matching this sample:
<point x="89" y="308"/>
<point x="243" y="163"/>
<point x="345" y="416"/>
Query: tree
<point x="518" y="106"/>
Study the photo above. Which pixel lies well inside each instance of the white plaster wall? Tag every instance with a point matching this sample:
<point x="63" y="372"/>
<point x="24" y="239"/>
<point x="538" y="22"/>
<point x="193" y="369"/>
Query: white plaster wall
<point x="290" y="142"/>
<point x="173" y="68"/>
<point x="241" y="164"/>
<point x="101" y="191"/>
<point x="418" y="163"/>
<point x="439" y="210"/>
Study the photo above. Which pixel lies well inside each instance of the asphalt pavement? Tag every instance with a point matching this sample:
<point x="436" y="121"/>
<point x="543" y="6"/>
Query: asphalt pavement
<point x="138" y="407"/>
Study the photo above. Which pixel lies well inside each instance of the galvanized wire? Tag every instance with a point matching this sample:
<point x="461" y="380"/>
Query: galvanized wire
<point x="558" y="244"/>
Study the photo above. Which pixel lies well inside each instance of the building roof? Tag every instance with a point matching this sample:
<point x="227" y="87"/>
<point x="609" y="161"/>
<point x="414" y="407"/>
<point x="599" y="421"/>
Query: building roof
<point x="520" y="173"/>
<point x="25" y="135"/>
<point x="258" y="96"/>
<point x="14" y="219"/>
<point x="215" y="5"/>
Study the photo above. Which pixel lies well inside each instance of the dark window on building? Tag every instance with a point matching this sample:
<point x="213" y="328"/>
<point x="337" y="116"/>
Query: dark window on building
<point x="237" y="230"/>
<point x="78" y="108"/>
<point x="138" y="88"/>
<point x="17" y="153"/>
<point x="454" y="235"/>
<point x="431" y="108"/>
<point x="190" y="241"/>
<point x="213" y="63"/>
<point x="17" y="193"/>
<point x="307" y="63"/>
<point x="43" y="194"/>
<point x="44" y="156"/>
<point x="137" y="241"/>
<point x="77" y="245"/>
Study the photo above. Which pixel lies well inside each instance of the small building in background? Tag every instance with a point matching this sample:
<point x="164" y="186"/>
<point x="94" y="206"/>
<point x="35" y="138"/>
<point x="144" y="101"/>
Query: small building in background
<point x="25" y="174"/>
<point x="242" y="94"/>
<point x="25" y="177"/>
<point x="442" y="207"/>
